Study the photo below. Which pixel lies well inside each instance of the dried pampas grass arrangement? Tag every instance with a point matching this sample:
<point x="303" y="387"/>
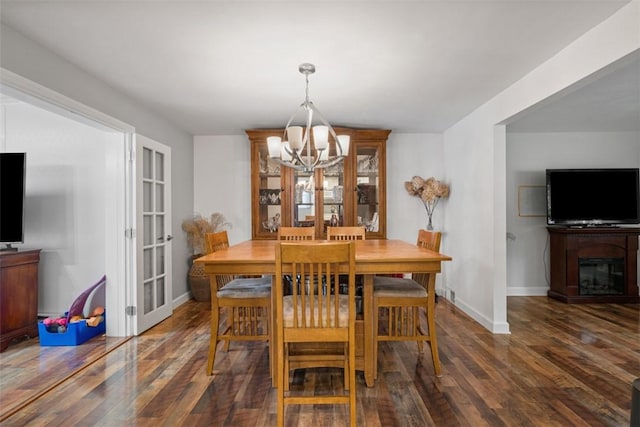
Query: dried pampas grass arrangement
<point x="198" y="227"/>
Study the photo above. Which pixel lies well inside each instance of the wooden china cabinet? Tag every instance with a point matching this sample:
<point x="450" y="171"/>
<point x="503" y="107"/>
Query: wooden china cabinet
<point x="353" y="192"/>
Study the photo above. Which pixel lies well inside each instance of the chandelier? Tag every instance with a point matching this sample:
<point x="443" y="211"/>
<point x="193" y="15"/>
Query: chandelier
<point x="294" y="149"/>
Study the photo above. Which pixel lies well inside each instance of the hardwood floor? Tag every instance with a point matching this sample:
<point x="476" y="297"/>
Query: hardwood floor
<point x="27" y="371"/>
<point x="561" y="365"/>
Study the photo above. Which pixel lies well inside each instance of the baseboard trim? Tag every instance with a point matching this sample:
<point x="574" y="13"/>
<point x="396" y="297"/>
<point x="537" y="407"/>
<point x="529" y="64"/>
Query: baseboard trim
<point x="527" y="291"/>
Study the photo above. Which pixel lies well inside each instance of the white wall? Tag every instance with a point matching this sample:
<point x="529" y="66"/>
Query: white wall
<point x="32" y="61"/>
<point x="528" y="155"/>
<point x="475" y="162"/>
<point x="409" y="155"/>
<point x="222" y="181"/>
<point x="65" y="206"/>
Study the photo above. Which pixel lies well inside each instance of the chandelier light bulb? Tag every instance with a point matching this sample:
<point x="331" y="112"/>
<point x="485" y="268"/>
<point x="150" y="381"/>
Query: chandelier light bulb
<point x="295" y="137"/>
<point x="321" y="137"/>
<point x="273" y="144"/>
<point x="343" y="145"/>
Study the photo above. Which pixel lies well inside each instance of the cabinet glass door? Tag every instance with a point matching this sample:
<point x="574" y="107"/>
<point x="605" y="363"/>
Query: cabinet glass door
<point x="368" y="197"/>
<point x="333" y="196"/>
<point x="319" y="198"/>
<point x="270" y="193"/>
<point x="304" y="199"/>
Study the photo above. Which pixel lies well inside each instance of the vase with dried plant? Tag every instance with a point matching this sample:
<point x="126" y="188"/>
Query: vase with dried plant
<point x="197" y="228"/>
<point x="430" y="191"/>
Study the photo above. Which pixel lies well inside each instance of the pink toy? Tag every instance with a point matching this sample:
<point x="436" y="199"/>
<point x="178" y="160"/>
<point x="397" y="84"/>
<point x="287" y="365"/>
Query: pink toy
<point x="60" y="321"/>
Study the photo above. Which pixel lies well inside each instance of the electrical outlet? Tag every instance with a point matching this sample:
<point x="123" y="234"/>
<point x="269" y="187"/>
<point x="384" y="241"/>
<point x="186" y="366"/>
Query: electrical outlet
<point x="452" y="295"/>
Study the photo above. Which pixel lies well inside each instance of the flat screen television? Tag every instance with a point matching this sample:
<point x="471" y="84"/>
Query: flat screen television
<point x="12" y="186"/>
<point x="592" y="197"/>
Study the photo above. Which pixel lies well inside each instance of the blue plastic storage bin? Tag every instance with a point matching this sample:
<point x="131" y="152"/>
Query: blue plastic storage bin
<point x="76" y="333"/>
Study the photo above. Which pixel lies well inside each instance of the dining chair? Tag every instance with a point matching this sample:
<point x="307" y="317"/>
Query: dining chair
<point x="247" y="302"/>
<point x="324" y="361"/>
<point x="349" y="233"/>
<point x="402" y="300"/>
<point x="346" y="233"/>
<point x="296" y="233"/>
<point x="315" y="312"/>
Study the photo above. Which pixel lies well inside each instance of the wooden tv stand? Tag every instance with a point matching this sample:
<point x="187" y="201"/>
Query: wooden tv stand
<point x="593" y="264"/>
<point x="18" y="295"/>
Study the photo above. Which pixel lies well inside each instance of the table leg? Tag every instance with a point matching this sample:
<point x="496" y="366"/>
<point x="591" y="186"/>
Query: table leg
<point x="369" y="357"/>
<point x="273" y="339"/>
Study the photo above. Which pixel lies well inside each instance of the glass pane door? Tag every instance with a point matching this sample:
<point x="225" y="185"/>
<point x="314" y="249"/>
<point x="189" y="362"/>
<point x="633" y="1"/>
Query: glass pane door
<point x="367" y="187"/>
<point x="270" y="193"/>
<point x="153" y="165"/>
<point x="304" y="204"/>
<point x="333" y="196"/>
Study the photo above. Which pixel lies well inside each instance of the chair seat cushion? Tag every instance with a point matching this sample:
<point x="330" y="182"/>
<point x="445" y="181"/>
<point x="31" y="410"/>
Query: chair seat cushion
<point x="397" y="287"/>
<point x="343" y="311"/>
<point x="248" y="283"/>
<point x="246" y="288"/>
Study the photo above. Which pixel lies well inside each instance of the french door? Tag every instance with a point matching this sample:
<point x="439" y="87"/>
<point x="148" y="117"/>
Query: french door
<point x="153" y="233"/>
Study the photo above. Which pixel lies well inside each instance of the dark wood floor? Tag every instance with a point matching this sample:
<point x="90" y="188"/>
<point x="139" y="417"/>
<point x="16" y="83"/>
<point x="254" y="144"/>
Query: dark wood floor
<point x="562" y="365"/>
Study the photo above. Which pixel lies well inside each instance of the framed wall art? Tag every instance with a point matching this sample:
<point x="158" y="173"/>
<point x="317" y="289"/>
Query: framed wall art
<point x="532" y="200"/>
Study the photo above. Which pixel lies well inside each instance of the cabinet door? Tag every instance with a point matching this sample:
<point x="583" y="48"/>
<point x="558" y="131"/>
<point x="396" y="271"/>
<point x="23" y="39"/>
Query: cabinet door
<point x="332" y="201"/>
<point x="304" y="199"/>
<point x="369" y="195"/>
<point x="270" y="198"/>
<point x="318" y="198"/>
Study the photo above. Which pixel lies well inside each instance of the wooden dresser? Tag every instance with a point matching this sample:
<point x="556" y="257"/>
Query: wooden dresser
<point x="18" y="295"/>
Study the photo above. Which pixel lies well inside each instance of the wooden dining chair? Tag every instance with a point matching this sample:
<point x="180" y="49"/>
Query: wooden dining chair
<point x="296" y="233"/>
<point x="247" y="302"/>
<point x="346" y="233"/>
<point x="403" y="300"/>
<point x="300" y="355"/>
<point x="349" y="233"/>
<point x="315" y="312"/>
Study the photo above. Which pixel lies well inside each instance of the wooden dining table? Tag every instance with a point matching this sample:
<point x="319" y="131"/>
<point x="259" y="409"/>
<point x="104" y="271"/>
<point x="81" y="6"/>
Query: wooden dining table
<point x="257" y="257"/>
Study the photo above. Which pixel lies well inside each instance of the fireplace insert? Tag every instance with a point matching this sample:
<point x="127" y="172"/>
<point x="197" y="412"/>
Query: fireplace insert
<point x="601" y="276"/>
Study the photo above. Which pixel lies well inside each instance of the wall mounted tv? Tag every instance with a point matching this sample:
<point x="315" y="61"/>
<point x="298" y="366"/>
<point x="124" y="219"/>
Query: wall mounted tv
<point x="592" y="197"/>
<point x="12" y="184"/>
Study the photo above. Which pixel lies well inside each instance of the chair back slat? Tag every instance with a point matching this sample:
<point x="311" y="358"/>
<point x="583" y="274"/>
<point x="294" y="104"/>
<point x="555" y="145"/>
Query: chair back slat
<point x="346" y="233"/>
<point x="296" y="233"/>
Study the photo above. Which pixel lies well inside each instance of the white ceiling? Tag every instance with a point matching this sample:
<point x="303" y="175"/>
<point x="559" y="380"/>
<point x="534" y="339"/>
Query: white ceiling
<point x="219" y="67"/>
